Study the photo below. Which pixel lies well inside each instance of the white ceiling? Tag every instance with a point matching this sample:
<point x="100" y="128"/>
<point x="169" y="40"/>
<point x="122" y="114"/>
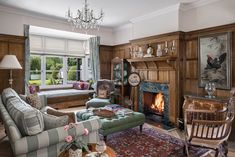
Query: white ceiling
<point x="117" y="12"/>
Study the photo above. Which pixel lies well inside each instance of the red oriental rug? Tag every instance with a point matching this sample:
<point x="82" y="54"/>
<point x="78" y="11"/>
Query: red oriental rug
<point x="149" y="143"/>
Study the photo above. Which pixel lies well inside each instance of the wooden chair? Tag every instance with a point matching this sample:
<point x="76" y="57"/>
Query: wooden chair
<point x="208" y="128"/>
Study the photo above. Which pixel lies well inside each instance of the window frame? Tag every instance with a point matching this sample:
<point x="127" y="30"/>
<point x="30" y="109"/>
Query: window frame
<point x="83" y="70"/>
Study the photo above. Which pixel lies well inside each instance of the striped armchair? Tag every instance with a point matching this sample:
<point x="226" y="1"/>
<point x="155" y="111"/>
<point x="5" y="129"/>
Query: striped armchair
<point x="48" y="142"/>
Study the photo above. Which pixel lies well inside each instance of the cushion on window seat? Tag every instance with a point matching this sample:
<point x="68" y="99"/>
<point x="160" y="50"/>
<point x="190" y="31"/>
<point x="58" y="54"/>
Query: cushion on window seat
<point x="34" y="101"/>
<point x="64" y="92"/>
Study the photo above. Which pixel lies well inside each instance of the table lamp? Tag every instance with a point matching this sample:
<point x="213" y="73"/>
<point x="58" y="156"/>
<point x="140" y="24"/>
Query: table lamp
<point x="10" y="62"/>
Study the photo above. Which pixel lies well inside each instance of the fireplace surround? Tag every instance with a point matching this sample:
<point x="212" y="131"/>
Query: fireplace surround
<point x="154" y="88"/>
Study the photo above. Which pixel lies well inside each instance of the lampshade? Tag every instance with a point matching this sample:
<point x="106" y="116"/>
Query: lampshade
<point x="10" y="62"/>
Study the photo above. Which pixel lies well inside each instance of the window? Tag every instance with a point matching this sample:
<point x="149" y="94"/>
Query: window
<point x="57" y="70"/>
<point x="35" y="70"/>
<point x="54" y="70"/>
<point x="74" y="69"/>
<point x="58" y="61"/>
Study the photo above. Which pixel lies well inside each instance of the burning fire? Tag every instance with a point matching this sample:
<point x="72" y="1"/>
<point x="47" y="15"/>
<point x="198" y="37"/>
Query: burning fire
<point x="158" y="103"/>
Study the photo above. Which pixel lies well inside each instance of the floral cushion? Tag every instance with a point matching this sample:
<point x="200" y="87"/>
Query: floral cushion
<point x="81" y="85"/>
<point x="33" y="89"/>
<point x="34" y="101"/>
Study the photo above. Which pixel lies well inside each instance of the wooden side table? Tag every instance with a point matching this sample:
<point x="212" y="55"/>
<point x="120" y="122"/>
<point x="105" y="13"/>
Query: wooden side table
<point x="109" y="151"/>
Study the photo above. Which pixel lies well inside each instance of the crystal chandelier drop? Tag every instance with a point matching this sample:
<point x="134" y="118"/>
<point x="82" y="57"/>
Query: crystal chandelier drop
<point x="85" y="18"/>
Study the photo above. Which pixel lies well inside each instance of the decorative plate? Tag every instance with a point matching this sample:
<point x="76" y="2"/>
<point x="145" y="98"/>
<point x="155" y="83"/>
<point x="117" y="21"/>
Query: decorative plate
<point x="134" y="79"/>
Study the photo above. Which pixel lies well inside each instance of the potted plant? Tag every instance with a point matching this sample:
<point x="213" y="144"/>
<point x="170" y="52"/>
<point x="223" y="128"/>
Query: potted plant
<point x="74" y="144"/>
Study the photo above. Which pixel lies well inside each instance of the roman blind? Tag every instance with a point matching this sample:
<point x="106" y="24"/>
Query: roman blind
<point x="45" y="45"/>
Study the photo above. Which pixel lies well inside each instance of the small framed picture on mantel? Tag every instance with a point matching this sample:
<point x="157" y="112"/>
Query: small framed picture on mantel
<point x="214" y="62"/>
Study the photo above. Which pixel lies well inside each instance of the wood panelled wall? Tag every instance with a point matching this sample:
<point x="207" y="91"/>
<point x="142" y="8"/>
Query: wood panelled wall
<point x="107" y="53"/>
<point x="122" y="51"/>
<point x="14" y="45"/>
<point x="190" y="77"/>
<point x="105" y="61"/>
<point x="187" y="53"/>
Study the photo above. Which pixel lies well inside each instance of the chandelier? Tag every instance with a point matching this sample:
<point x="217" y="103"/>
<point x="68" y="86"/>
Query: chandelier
<point x="85" y="18"/>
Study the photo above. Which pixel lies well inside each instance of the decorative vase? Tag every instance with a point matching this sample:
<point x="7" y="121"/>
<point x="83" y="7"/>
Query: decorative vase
<point x="210" y="89"/>
<point x="159" y="51"/>
<point x="75" y="153"/>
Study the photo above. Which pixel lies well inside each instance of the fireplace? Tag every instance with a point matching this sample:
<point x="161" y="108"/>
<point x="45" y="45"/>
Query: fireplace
<point x="154" y="101"/>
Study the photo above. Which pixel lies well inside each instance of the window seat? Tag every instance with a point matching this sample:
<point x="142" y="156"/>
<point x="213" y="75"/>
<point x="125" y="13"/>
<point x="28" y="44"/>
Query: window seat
<point x="66" y="98"/>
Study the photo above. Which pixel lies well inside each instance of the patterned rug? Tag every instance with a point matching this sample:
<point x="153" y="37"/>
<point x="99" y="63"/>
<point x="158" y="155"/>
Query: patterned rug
<point x="149" y="143"/>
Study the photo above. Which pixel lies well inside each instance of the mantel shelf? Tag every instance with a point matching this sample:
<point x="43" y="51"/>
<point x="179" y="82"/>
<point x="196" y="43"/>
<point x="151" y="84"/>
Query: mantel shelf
<point x="153" y="59"/>
<point x="160" y="63"/>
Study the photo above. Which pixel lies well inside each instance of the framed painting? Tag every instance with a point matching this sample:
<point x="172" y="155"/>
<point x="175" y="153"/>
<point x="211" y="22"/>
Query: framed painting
<point x="214" y="53"/>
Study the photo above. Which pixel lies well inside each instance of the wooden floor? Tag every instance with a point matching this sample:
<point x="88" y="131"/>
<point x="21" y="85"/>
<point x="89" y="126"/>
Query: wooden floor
<point x="5" y="149"/>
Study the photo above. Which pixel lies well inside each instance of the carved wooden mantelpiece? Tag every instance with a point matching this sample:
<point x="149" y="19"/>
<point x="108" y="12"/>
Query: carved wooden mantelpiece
<point x="153" y="63"/>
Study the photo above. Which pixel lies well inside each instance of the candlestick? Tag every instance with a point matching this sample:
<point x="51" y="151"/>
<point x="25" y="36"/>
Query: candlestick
<point x="166" y="48"/>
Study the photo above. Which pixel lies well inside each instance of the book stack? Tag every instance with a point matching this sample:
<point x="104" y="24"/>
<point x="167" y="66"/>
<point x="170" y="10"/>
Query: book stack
<point x="124" y="111"/>
<point x="118" y="110"/>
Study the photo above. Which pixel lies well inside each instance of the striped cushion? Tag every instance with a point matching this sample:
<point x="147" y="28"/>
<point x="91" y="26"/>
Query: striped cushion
<point x="28" y="120"/>
<point x="7" y="94"/>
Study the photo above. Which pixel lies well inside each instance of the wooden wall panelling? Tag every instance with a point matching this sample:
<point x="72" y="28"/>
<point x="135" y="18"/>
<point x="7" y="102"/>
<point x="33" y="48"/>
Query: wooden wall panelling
<point x="191" y="69"/>
<point x="106" y="53"/>
<point x="173" y="93"/>
<point x="192" y="52"/>
<point x="233" y="59"/>
<point x="122" y="51"/>
<point x="3" y="73"/>
<point x="10" y="44"/>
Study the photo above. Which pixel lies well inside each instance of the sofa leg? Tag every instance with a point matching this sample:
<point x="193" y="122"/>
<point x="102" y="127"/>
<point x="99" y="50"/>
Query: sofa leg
<point x="141" y="128"/>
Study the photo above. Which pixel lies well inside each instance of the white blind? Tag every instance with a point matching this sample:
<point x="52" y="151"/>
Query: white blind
<point x="36" y="42"/>
<point x="57" y="46"/>
<point x="76" y="47"/>
<point x="54" y="44"/>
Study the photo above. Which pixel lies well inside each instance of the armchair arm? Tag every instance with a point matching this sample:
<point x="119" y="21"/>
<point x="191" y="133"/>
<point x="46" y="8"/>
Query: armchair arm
<point x="54" y="112"/>
<point x="53" y="136"/>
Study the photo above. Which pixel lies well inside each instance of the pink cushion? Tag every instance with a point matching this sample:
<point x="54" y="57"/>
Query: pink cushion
<point x="32" y="89"/>
<point x="81" y="85"/>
